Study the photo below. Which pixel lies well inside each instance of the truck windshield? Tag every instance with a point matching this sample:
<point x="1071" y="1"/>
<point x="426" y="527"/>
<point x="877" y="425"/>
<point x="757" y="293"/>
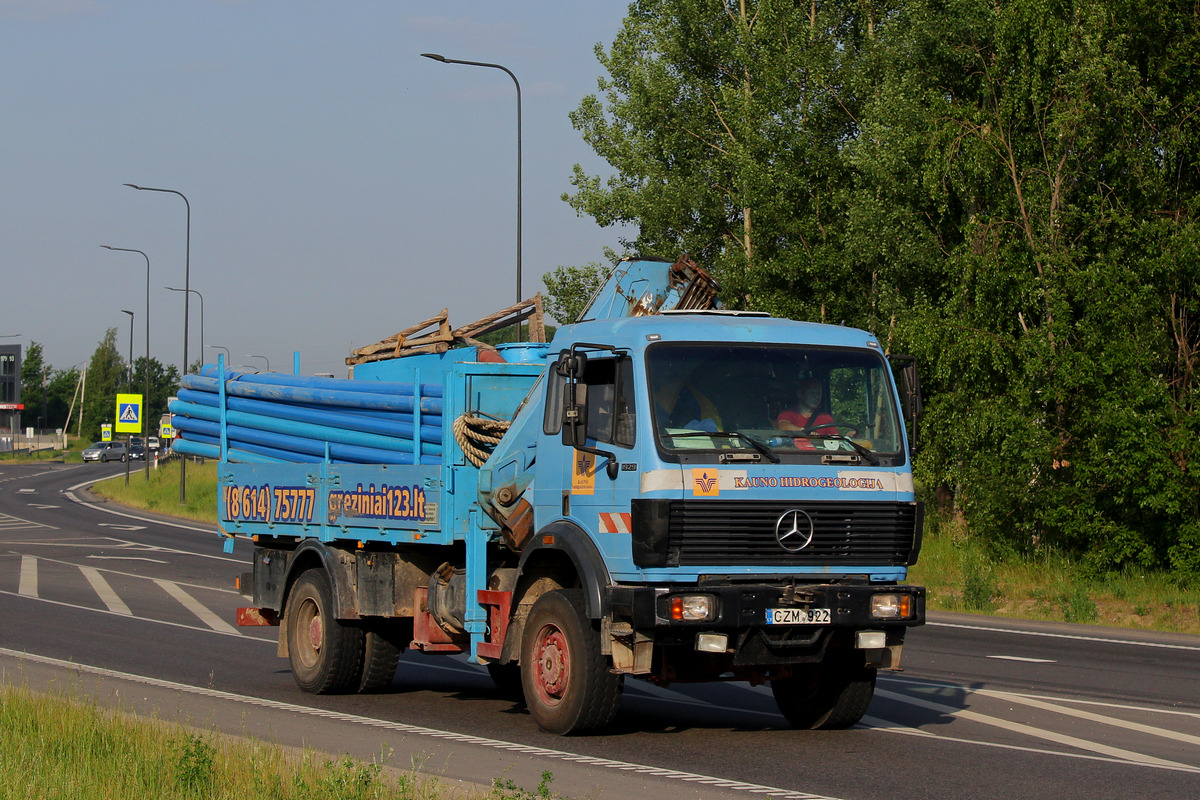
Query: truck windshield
<point x="797" y="400"/>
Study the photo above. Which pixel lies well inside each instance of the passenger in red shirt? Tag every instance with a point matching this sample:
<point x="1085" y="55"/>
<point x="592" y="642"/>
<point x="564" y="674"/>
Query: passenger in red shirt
<point x="805" y="416"/>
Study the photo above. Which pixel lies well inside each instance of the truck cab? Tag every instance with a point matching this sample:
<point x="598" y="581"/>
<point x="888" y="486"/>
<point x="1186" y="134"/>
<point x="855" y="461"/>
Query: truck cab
<point x="710" y="539"/>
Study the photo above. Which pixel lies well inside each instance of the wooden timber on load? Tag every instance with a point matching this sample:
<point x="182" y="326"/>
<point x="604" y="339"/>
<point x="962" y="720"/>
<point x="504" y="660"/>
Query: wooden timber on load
<point x="434" y="335"/>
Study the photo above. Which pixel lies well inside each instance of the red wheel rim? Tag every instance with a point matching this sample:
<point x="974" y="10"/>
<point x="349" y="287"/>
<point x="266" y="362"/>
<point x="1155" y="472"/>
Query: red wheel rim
<point x="311" y="630"/>
<point x="552" y="666"/>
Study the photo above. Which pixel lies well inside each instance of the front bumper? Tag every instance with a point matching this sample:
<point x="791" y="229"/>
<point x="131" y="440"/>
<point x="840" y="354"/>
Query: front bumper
<point x="741" y="606"/>
<point x="645" y="637"/>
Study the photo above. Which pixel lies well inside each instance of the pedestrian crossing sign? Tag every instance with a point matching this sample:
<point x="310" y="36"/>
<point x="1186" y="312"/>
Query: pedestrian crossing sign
<point x="129" y="413"/>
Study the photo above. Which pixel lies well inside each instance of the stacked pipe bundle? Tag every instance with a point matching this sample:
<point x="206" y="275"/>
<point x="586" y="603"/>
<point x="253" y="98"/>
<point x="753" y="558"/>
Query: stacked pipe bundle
<point x="272" y="418"/>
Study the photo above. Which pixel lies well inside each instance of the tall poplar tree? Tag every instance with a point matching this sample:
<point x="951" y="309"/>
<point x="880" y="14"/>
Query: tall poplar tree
<point x="1049" y="150"/>
<point x="106" y="377"/>
<point x="725" y="123"/>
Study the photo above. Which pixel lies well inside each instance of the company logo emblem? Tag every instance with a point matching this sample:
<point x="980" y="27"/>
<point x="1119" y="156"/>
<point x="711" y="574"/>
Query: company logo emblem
<point x="794" y="530"/>
<point x="583" y="473"/>
<point x="706" y="483"/>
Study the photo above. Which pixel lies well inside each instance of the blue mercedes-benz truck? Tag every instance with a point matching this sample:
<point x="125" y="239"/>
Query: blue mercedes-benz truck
<point x="667" y="491"/>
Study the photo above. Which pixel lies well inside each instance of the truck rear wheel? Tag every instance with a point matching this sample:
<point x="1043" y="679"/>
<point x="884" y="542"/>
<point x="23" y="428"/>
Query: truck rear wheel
<point x="326" y="656"/>
<point x="380" y="659"/>
<point x="834" y="694"/>
<point x="566" y="680"/>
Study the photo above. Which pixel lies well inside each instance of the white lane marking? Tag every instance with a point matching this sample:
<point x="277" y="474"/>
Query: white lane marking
<point x="434" y="733"/>
<point x="11" y="523"/>
<point x="121" y="527"/>
<point x="28" y="584"/>
<point x="211" y="531"/>
<point x="1029" y="730"/>
<point x="70" y="493"/>
<point x="1088" y="715"/>
<point x="1024" y="659"/>
<point x="197" y="628"/>
<point x="1078" y="701"/>
<point x="128" y="558"/>
<point x="196" y="607"/>
<point x="41" y="506"/>
<point x="886" y="726"/>
<point x="1075" y="637"/>
<point x="106" y="593"/>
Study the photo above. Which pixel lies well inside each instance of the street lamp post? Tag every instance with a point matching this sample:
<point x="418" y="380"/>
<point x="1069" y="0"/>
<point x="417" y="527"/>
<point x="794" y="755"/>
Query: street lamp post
<point x="187" y="284"/>
<point x="146" y="324"/>
<point x="444" y="60"/>
<point x="264" y="358"/>
<point x="228" y="358"/>
<point x="129" y="382"/>
<point x="129" y="371"/>
<point x="197" y="293"/>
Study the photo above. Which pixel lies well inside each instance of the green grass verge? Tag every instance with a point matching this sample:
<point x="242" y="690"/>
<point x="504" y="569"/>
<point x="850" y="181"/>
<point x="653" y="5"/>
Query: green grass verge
<point x="962" y="574"/>
<point x="161" y="491"/>
<point x="60" y="746"/>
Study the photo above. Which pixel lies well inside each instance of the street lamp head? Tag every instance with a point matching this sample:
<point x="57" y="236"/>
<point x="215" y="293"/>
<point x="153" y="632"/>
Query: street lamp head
<point x="108" y="247"/>
<point x="133" y="186"/>
<point x="434" y="56"/>
<point x="124" y="311"/>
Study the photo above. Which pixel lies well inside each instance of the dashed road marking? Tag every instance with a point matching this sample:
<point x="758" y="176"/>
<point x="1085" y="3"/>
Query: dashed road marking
<point x="105" y="592"/>
<point x="11" y="523"/>
<point x="1037" y="733"/>
<point x="28" y="586"/>
<point x="196" y="607"/>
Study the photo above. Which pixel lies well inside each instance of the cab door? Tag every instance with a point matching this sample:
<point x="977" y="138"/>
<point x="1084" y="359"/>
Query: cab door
<point x="593" y="494"/>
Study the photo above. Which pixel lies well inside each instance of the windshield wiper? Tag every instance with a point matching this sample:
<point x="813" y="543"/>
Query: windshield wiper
<point x="761" y="447"/>
<point x="858" y="448"/>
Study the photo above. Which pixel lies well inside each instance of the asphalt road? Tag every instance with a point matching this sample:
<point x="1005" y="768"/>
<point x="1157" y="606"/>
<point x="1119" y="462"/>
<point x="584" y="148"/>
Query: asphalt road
<point x="137" y="609"/>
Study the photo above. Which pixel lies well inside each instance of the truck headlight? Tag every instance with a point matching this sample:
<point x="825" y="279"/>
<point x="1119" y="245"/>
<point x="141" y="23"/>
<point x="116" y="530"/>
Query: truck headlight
<point x="693" y="608"/>
<point x="891" y="606"/>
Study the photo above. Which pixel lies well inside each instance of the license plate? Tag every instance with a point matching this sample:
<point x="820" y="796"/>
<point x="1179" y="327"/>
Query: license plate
<point x="797" y="616"/>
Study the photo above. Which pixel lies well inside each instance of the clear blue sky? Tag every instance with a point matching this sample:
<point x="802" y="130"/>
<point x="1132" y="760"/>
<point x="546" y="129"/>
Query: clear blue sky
<point x="342" y="187"/>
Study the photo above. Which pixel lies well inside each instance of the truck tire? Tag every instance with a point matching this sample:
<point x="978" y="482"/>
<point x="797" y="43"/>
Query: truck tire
<point x="831" y="695"/>
<point x="326" y="656"/>
<point x="380" y="659"/>
<point x="567" y="683"/>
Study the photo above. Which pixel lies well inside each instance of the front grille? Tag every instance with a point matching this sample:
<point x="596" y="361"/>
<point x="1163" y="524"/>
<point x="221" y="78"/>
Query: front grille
<point x="742" y="532"/>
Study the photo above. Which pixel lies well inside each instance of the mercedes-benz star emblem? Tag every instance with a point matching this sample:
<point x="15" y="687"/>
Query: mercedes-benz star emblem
<point x="794" y="530"/>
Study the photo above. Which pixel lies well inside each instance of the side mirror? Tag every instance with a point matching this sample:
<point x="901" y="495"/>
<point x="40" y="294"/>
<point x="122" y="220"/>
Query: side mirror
<point x="574" y="428"/>
<point x="570" y="364"/>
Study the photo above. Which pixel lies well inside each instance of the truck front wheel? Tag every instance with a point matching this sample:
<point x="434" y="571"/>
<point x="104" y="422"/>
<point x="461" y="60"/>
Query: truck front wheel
<point x="567" y="684"/>
<point x="326" y="656"/>
<point x="833" y="694"/>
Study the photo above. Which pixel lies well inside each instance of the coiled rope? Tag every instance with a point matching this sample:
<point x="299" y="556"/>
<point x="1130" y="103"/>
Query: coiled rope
<point x="478" y="436"/>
